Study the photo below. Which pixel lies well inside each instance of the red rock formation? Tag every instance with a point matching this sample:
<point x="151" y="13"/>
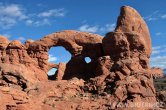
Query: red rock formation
<point x="128" y="76"/>
<point x="131" y="38"/>
<point x="79" y="44"/>
<point x="14" y="53"/>
<point x="118" y="77"/>
<point x="157" y="72"/>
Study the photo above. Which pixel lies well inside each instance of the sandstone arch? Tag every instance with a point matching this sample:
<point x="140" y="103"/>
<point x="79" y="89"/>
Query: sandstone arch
<point x="79" y="44"/>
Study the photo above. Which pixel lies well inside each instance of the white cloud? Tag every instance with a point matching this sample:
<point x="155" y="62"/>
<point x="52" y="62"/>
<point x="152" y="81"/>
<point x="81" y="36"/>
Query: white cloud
<point x="158" y="58"/>
<point x="7" y="22"/>
<point x="10" y="15"/>
<point x="110" y="27"/>
<point x="152" y="17"/>
<point x="87" y="28"/>
<point x="158" y="50"/>
<point x="155" y="52"/>
<point x="43" y="18"/>
<point x="52" y="58"/>
<point x="42" y="22"/>
<point x="21" y="39"/>
<point x="29" y="22"/>
<point x="12" y="10"/>
<point x="97" y="29"/>
<point x="156" y="47"/>
<point x="157" y="34"/>
<point x="155" y="16"/>
<point x="107" y="28"/>
<point x="53" y="13"/>
<point x="158" y="61"/>
<point x="163" y="16"/>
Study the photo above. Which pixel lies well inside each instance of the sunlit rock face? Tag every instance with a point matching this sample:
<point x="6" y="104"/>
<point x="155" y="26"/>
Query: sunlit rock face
<point x="116" y="71"/>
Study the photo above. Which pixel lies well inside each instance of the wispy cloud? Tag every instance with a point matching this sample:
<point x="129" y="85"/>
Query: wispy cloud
<point x="29" y="22"/>
<point x="6" y="35"/>
<point x="155" y="16"/>
<point x="157" y="34"/>
<point x="152" y="17"/>
<point x="53" y="13"/>
<point x="37" y="23"/>
<point x="158" y="49"/>
<point x="107" y="28"/>
<point x="52" y="58"/>
<point x="21" y="39"/>
<point x="44" y="18"/>
<point x="97" y="29"/>
<point x="42" y="22"/>
<point x="40" y="5"/>
<point x="163" y="16"/>
<point x="158" y="58"/>
<point x="12" y="10"/>
<point x="87" y="28"/>
<point x="158" y="61"/>
<point x="160" y="34"/>
<point x="10" y="15"/>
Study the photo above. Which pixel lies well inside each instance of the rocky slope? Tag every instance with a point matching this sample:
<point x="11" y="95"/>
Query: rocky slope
<point x="160" y="85"/>
<point x="118" y="76"/>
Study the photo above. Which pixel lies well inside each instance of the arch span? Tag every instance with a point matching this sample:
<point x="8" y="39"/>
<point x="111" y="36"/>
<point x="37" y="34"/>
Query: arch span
<point x="79" y="44"/>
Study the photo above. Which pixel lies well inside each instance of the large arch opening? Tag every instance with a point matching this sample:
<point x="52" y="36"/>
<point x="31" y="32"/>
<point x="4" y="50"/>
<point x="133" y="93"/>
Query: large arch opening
<point x="57" y="55"/>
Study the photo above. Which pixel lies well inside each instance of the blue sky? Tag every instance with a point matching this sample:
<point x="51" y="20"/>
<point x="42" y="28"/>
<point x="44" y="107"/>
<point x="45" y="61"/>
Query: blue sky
<point x="33" y="19"/>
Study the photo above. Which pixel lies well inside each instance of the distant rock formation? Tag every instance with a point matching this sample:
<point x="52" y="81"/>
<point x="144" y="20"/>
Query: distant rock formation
<point x="157" y="72"/>
<point x="118" y="76"/>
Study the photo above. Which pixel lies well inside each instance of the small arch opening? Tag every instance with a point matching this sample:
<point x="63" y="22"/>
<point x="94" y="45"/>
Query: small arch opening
<point x="57" y="55"/>
<point x="88" y="59"/>
<point x="51" y="74"/>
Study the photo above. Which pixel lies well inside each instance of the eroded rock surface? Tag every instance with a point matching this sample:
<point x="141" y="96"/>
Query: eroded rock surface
<point x="118" y="76"/>
<point x="157" y="72"/>
<point x="130" y="40"/>
<point x="79" y="44"/>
